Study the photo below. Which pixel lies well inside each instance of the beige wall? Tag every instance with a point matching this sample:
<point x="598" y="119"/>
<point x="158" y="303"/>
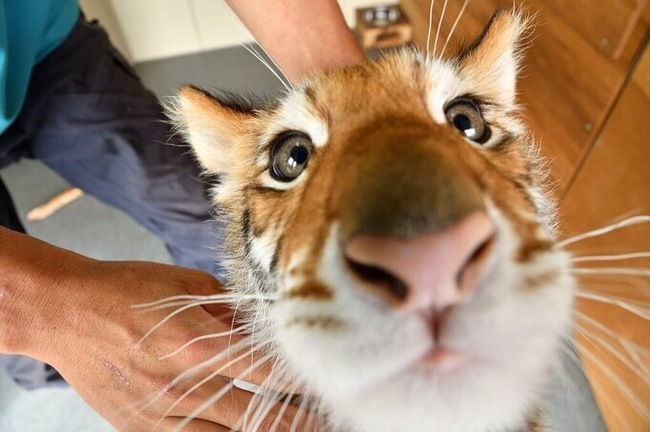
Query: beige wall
<point x="153" y="29"/>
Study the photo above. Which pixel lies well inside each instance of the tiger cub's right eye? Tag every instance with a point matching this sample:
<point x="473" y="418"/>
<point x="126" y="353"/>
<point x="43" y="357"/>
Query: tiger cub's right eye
<point x="465" y="115"/>
<point x="290" y="154"/>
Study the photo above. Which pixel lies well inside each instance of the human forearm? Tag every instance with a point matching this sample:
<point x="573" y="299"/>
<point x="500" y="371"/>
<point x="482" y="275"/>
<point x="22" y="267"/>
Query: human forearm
<point x="77" y="314"/>
<point x="30" y="272"/>
<point x="302" y="37"/>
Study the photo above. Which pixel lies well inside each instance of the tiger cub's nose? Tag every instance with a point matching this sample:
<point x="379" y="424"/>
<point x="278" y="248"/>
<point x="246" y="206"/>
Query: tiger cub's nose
<point x="434" y="270"/>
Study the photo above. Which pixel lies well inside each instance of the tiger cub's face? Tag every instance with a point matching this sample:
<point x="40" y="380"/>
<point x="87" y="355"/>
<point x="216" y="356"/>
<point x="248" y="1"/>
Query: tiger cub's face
<point x="390" y="218"/>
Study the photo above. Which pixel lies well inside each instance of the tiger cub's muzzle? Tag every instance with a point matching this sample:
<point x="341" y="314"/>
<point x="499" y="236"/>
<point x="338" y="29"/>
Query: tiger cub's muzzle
<point x="414" y="227"/>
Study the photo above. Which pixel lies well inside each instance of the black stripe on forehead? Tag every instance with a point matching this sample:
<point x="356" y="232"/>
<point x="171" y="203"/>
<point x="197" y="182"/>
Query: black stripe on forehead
<point x="248" y="103"/>
<point x="468" y="47"/>
<point x="310" y="96"/>
<point x="246" y="229"/>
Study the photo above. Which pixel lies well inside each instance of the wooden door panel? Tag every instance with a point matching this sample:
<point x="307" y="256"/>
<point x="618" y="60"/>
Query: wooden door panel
<point x="605" y="25"/>
<point x="592" y="115"/>
<point x="568" y="85"/>
<point x="615" y="181"/>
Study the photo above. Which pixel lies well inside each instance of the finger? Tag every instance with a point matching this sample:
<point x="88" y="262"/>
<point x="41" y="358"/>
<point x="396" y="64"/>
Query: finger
<point x="227" y="405"/>
<point x="203" y="337"/>
<point x="196" y="425"/>
<point x="259" y="412"/>
<point x="237" y="366"/>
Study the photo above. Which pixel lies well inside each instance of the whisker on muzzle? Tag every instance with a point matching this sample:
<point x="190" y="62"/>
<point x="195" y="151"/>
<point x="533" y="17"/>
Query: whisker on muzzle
<point x="631" y="349"/>
<point x="638" y="308"/>
<point x="631" y="221"/>
<point x="221" y="393"/>
<point x="620" y="384"/>
<point x="238" y="330"/>
<point x="615" y="257"/>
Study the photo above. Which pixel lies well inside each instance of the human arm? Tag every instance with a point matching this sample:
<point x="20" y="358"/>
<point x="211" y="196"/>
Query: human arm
<point x="76" y="314"/>
<point x="302" y="37"/>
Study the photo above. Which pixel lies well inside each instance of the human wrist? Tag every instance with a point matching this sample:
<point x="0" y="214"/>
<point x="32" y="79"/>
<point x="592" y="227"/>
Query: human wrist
<point x="32" y="273"/>
<point x="301" y="37"/>
<point x="342" y="49"/>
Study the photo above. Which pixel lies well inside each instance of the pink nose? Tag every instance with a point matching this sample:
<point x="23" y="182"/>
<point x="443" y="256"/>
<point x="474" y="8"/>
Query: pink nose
<point x="428" y="271"/>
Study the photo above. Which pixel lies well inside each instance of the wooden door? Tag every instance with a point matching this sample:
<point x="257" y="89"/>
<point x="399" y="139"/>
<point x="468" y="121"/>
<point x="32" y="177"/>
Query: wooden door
<point x="613" y="183"/>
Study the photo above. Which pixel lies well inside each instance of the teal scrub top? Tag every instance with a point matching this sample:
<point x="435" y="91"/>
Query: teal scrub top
<point x="29" y="31"/>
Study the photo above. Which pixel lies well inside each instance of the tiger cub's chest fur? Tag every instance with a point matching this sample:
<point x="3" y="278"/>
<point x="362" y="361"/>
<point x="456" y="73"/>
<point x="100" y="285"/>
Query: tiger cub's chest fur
<point x="390" y="238"/>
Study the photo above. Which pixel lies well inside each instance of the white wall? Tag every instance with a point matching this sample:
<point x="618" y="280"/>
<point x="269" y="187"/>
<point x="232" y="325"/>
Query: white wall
<point x="154" y="29"/>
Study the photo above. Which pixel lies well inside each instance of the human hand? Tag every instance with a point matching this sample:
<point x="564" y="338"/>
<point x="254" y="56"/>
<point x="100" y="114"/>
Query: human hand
<point x="77" y="315"/>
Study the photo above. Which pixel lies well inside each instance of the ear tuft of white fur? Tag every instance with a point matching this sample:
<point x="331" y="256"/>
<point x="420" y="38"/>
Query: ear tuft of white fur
<point x="210" y="127"/>
<point x="492" y="61"/>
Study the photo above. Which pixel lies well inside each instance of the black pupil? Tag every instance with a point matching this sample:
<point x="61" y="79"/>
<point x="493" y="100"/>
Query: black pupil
<point x="298" y="155"/>
<point x="462" y="123"/>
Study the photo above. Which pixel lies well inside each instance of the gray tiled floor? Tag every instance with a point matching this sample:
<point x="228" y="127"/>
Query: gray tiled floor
<point x="59" y="409"/>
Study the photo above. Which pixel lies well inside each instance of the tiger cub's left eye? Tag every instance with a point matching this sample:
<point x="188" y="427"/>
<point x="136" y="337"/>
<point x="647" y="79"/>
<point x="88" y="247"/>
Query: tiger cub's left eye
<point x="289" y="156"/>
<point x="465" y="115"/>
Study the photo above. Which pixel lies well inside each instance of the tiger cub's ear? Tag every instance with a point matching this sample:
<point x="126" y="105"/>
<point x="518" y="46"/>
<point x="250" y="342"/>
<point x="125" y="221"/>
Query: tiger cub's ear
<point x="212" y="127"/>
<point x="490" y="63"/>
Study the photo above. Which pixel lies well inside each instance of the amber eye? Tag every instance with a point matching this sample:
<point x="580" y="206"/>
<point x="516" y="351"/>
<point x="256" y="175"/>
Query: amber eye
<point x="289" y="156"/>
<point x="466" y="116"/>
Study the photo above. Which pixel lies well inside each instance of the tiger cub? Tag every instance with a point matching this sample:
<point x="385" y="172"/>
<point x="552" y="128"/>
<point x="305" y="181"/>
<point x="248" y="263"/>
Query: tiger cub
<point x="390" y="238"/>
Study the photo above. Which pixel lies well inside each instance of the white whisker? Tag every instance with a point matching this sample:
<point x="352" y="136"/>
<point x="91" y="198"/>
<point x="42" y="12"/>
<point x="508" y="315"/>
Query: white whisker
<point x="284" y="80"/>
<point x="430" y="24"/>
<point x="238" y="330"/>
<point x="189" y="306"/>
<point x="599" y="342"/>
<point x="288" y="83"/>
<point x="301" y="410"/>
<point x="621" y="386"/>
<point x="232" y="325"/>
<point x="599" y="387"/>
<point x="164" y="320"/>
<point x="453" y="28"/>
<point x="209" y="377"/>
<point x="634" y="354"/>
<point x="627" y="271"/>
<point x="283" y="409"/>
<point x="257" y="312"/>
<point x="259" y="57"/>
<point x="311" y="421"/>
<point x="590" y="258"/>
<point x="442" y="16"/>
<point x="199" y="300"/>
<point x="631" y="347"/>
<point x="628" y="305"/>
<point x="252" y="409"/>
<point x="265" y="406"/>
<point x="635" y="220"/>
<point x="268" y="403"/>
<point x="188" y="374"/>
<point x="169" y="299"/>
<point x="221" y="393"/>
<point x="167" y="318"/>
<point x="209" y="362"/>
<point x="178" y="303"/>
